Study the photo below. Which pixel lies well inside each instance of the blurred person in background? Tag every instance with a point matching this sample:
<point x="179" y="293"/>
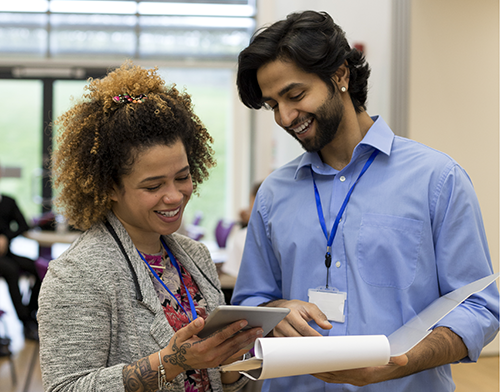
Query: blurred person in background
<point x="236" y="240"/>
<point x="12" y="266"/>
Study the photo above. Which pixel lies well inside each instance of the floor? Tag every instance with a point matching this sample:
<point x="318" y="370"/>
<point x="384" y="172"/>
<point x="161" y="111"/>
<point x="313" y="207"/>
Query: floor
<point x="477" y="377"/>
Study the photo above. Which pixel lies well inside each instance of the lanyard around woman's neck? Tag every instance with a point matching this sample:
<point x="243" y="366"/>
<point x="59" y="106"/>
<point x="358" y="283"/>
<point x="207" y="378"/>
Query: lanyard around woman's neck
<point x="328" y="255"/>
<point x="176" y="265"/>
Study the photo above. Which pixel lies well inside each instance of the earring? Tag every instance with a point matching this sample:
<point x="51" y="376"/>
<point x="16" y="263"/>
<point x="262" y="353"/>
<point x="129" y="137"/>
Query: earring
<point x="343" y="89"/>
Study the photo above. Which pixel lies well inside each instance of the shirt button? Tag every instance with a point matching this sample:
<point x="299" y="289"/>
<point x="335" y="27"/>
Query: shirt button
<point x="337" y="264"/>
<point x="342" y="178"/>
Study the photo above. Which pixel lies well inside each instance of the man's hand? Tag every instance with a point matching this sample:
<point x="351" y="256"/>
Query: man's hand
<point x="440" y="347"/>
<point x="4" y="244"/>
<point x="296" y="322"/>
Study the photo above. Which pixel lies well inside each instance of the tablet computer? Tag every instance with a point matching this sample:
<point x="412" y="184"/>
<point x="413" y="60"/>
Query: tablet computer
<point x="257" y="316"/>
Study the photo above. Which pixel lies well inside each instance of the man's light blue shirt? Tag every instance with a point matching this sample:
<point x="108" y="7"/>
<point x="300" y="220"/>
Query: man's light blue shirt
<point x="412" y="232"/>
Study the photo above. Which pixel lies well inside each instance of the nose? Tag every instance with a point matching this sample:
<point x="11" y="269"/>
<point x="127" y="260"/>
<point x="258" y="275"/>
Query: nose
<point x="286" y="115"/>
<point x="172" y="195"/>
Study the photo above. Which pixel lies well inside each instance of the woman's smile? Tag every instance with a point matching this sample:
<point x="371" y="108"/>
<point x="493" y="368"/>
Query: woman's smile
<point x="170" y="213"/>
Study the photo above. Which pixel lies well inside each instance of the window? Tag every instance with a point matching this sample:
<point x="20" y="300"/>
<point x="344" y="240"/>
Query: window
<point x="195" y="44"/>
<point x="211" y="92"/>
<point x="21" y="141"/>
<point x="132" y="28"/>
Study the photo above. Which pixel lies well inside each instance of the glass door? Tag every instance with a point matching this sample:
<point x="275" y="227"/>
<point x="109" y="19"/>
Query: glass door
<point x="21" y="142"/>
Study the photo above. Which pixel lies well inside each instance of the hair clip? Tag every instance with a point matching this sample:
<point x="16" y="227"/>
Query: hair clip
<point x="125" y="98"/>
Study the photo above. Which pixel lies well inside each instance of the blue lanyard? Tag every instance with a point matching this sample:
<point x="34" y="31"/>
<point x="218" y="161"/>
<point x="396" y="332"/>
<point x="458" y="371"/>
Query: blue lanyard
<point x="176" y="265"/>
<point x="328" y="255"/>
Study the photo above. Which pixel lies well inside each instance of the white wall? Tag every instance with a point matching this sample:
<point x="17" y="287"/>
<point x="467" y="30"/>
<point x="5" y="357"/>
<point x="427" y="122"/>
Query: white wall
<point x="454" y="95"/>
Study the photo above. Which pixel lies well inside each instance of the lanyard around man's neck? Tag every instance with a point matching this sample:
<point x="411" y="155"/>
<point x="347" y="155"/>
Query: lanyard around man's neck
<point x="329" y="239"/>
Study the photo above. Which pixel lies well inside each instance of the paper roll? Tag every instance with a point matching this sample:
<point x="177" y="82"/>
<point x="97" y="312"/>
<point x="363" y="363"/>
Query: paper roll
<point x="282" y="357"/>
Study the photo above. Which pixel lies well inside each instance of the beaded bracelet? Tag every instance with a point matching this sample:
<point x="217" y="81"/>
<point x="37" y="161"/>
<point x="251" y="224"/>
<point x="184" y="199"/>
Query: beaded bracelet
<point x="162" y="376"/>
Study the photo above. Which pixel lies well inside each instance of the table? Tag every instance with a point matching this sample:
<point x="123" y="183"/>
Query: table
<point x="47" y="238"/>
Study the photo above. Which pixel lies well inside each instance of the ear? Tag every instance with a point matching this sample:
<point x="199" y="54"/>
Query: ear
<point x="113" y="194"/>
<point x="341" y="76"/>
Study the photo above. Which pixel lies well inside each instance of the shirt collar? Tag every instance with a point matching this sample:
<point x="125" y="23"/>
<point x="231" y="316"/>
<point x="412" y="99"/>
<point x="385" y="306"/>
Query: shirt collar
<point x="379" y="136"/>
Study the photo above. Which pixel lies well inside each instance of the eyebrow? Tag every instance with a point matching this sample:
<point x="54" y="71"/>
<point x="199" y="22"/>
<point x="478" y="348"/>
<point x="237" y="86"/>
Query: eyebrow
<point x="283" y="91"/>
<point x="154" y="178"/>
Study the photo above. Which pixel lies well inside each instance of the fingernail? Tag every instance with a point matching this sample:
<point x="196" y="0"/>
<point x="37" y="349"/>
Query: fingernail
<point x="243" y="323"/>
<point x="197" y="322"/>
<point x="260" y="332"/>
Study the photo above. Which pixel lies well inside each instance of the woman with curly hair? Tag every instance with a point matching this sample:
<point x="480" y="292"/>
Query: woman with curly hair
<point x="120" y="309"/>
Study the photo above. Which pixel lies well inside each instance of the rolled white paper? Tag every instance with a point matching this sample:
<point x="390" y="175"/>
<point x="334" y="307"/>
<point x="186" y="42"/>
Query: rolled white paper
<point x="282" y="357"/>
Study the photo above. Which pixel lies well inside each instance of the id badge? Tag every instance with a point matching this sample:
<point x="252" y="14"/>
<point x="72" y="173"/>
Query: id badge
<point x="330" y="301"/>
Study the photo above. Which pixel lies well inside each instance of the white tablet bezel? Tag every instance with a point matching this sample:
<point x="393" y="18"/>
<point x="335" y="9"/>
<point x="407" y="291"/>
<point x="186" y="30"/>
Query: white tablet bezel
<point x="257" y="316"/>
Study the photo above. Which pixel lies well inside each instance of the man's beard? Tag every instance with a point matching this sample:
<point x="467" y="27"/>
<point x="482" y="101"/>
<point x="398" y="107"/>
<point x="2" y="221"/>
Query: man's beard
<point x="326" y="120"/>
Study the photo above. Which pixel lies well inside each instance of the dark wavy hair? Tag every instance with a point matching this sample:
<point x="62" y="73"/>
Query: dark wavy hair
<point x="313" y="42"/>
<point x="100" y="139"/>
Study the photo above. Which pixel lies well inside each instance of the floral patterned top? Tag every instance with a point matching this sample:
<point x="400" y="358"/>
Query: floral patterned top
<point x="195" y="380"/>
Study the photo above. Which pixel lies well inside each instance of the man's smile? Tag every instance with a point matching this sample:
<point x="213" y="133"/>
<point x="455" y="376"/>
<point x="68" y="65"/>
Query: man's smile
<point x="302" y="128"/>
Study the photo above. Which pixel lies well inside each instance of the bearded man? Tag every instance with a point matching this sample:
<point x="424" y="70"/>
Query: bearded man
<point x="365" y="229"/>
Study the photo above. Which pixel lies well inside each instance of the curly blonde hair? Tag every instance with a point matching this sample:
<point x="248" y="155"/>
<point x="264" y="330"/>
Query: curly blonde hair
<point x="99" y="139"/>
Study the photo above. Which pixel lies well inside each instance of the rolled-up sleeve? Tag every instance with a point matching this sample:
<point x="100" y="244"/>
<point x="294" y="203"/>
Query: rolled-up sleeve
<point x="462" y="257"/>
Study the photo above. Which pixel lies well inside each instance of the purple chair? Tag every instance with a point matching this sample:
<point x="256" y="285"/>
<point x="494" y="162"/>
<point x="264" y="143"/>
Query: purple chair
<point x="222" y="231"/>
<point x="197" y="218"/>
<point x="41" y="265"/>
<point x="194" y="230"/>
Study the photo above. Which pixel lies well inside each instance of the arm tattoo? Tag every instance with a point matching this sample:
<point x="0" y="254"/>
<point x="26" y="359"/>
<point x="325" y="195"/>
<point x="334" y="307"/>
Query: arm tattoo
<point x="177" y="358"/>
<point x="139" y="377"/>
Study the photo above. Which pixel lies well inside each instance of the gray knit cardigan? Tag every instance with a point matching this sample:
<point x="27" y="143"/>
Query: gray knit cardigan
<point x="91" y="323"/>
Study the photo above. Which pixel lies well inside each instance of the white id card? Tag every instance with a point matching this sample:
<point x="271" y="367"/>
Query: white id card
<point x="330" y="301"/>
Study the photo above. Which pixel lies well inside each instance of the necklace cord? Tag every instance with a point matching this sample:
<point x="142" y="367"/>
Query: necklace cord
<point x="138" y="293"/>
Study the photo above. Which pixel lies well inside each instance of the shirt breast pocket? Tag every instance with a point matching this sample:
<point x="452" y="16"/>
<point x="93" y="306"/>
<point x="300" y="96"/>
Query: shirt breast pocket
<point x="388" y="249"/>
